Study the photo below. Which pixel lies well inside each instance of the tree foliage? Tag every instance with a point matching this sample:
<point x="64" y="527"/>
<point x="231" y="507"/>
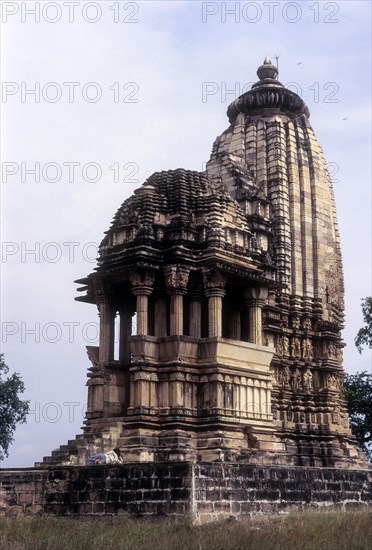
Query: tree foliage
<point x="358" y="394"/>
<point x="364" y="335"/>
<point x="13" y="410"/>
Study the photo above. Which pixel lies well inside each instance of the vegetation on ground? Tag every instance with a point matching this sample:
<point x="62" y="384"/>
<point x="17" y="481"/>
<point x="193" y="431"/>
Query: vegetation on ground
<point x="358" y="394"/>
<point x="358" y="387"/>
<point x="13" y="410"/>
<point x="306" y="531"/>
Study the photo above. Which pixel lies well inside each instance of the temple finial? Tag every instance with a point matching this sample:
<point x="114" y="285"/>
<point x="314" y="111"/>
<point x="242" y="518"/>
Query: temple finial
<point x="267" y="71"/>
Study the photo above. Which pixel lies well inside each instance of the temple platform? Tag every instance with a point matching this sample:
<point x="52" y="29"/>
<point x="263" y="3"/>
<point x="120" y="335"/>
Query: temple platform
<point x="204" y="491"/>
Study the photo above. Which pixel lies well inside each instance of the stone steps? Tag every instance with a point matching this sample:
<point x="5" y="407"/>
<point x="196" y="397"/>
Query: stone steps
<point x="76" y="450"/>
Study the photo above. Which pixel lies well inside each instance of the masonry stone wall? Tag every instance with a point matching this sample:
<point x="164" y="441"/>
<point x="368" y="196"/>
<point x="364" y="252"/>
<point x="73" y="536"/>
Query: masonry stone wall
<point x="223" y="490"/>
<point x="152" y="489"/>
<point x="206" y="491"/>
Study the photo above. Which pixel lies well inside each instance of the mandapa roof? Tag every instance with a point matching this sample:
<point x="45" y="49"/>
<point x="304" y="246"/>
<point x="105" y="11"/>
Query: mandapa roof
<point x="182" y="195"/>
<point x="175" y="210"/>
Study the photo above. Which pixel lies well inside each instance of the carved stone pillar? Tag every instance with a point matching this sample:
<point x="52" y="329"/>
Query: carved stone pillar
<point x="98" y="397"/>
<point x="176" y="313"/>
<point x="214" y="285"/>
<point x="107" y="313"/>
<point x="126" y="313"/>
<point x="95" y="385"/>
<point x="195" y="309"/>
<point x="195" y="316"/>
<point x="255" y="299"/>
<point x="142" y="288"/>
<point x="160" y="325"/>
<point x="234" y="325"/>
<point x="176" y="279"/>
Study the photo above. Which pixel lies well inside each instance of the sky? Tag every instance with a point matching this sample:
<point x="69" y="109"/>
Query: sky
<point x="96" y="96"/>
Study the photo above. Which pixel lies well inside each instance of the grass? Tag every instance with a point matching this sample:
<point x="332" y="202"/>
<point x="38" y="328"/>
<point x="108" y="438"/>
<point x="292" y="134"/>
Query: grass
<point x="305" y="531"/>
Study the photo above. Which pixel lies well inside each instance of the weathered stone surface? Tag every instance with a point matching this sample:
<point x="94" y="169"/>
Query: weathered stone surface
<point x="203" y="490"/>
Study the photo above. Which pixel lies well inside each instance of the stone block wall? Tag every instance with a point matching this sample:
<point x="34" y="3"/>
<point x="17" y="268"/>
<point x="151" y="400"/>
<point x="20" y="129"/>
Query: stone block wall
<point x="152" y="489"/>
<point x="206" y="491"/>
<point x="223" y="490"/>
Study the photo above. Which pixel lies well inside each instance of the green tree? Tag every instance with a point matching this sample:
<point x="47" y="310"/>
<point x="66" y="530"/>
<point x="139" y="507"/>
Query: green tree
<point x="358" y="394"/>
<point x="13" y="410"/>
<point x="364" y="335"/>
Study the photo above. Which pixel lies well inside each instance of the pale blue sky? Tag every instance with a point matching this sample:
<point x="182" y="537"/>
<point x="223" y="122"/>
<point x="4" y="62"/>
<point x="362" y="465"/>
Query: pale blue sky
<point x="168" y="55"/>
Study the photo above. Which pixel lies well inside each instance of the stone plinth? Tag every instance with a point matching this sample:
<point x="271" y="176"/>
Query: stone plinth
<point x="205" y="491"/>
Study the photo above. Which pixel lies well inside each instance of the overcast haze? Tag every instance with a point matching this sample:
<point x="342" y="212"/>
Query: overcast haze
<point x="166" y="75"/>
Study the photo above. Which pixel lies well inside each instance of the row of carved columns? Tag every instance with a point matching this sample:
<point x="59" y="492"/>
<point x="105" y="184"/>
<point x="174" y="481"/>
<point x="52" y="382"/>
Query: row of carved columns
<point x="176" y="282"/>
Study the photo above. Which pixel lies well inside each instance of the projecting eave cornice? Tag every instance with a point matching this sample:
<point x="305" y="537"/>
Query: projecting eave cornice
<point x="266" y="98"/>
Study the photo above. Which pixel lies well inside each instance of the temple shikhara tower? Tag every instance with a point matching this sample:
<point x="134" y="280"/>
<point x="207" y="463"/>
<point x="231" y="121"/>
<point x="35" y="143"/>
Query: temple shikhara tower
<point x="224" y="289"/>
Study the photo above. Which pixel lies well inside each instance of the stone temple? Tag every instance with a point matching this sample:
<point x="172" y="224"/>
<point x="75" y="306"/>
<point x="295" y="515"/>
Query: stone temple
<point x="227" y="289"/>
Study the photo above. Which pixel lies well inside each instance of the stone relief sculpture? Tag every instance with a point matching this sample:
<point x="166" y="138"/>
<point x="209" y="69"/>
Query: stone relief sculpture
<point x="285" y="343"/>
<point x="296" y="347"/>
<point x="307" y="381"/>
<point x="296" y="323"/>
<point x="307" y="349"/>
<point x="296" y="381"/>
